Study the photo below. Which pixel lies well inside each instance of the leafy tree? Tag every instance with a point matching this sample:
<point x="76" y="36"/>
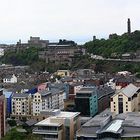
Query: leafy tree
<point x="115" y="44"/>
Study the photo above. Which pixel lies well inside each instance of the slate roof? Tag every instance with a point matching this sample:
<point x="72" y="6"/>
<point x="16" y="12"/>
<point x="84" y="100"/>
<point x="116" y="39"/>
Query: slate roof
<point x="124" y="79"/>
<point x="105" y="90"/>
<point x="20" y="95"/>
<point x="130" y="90"/>
<point x="52" y="91"/>
<point x="31" y="122"/>
<point x="8" y="76"/>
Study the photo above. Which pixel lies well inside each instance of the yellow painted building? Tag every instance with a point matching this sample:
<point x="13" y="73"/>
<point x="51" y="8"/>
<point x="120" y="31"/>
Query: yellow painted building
<point x="126" y="100"/>
<point x="63" y="73"/>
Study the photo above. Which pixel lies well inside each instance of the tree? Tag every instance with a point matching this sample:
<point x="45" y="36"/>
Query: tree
<point x="12" y="123"/>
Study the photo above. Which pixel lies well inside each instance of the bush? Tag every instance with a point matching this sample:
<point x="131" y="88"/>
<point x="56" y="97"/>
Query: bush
<point x="12" y="123"/>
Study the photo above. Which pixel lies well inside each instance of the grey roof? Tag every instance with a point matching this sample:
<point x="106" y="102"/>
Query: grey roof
<point x="45" y="93"/>
<point x="20" y="95"/>
<point x="8" y="76"/>
<point x="31" y="122"/>
<point x="130" y="90"/>
<point x="90" y="128"/>
<point x="66" y="79"/>
<point x="105" y="90"/>
<point x="77" y="84"/>
<point x="124" y="79"/>
<point x="56" y="86"/>
<point x="98" y="120"/>
<point x="128" y="123"/>
<point x="87" y="90"/>
<point x="132" y="119"/>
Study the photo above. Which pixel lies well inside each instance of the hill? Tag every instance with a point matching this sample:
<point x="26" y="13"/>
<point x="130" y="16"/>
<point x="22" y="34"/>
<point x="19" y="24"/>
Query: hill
<point x="115" y="44"/>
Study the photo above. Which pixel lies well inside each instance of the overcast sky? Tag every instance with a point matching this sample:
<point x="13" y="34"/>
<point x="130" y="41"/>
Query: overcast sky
<point x="77" y="20"/>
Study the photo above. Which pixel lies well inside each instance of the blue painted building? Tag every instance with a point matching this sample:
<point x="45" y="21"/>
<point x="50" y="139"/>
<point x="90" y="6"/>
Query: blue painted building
<point x="86" y="101"/>
<point x="8" y="96"/>
<point x="32" y="90"/>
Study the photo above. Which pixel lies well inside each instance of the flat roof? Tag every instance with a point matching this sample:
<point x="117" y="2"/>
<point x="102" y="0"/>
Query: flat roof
<point x="47" y="122"/>
<point x="65" y="114"/>
<point x="86" y="90"/>
<point x="61" y="115"/>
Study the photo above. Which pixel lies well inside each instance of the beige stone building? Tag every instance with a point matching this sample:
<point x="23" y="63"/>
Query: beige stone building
<point x="126" y="100"/>
<point x="62" y="126"/>
<point x="21" y="105"/>
<point x="47" y="99"/>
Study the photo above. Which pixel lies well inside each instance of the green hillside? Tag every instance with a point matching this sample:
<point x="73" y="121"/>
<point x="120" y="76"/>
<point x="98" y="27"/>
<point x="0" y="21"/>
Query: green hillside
<point x="115" y="45"/>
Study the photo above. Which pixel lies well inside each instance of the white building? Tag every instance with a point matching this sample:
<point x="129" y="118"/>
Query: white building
<point x="10" y="79"/>
<point x="43" y="100"/>
<point x="1" y="52"/>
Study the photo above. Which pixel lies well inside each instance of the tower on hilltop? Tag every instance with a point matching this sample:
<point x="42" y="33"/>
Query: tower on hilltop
<point x="128" y="26"/>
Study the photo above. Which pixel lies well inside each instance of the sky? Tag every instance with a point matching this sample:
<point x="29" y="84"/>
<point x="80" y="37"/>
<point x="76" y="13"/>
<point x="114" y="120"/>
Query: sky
<point x="76" y="20"/>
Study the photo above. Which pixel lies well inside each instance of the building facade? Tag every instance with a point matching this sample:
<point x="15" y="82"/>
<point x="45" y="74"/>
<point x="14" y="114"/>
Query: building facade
<point x="8" y="98"/>
<point x="62" y="126"/>
<point x="21" y="105"/>
<point x="86" y="101"/>
<point x="10" y="79"/>
<point x="126" y="100"/>
<point x="106" y="127"/>
<point x="63" y="73"/>
<point x="43" y="100"/>
<point x="1" y="52"/>
<point x="60" y="52"/>
<point x="2" y="114"/>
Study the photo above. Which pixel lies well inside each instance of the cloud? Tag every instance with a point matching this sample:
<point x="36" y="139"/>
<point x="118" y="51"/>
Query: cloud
<point x="72" y="19"/>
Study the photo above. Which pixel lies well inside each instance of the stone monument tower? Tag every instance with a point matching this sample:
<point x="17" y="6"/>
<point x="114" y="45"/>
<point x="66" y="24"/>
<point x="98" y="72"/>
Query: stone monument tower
<point x="128" y="26"/>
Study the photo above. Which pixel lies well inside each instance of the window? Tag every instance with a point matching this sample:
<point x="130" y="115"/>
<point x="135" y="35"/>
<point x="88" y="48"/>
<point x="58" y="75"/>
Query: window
<point x="129" y="99"/>
<point x="126" y="109"/>
<point x="114" y="109"/>
<point x="126" y="106"/>
<point x="114" y="106"/>
<point x="114" y="102"/>
<point x="126" y="102"/>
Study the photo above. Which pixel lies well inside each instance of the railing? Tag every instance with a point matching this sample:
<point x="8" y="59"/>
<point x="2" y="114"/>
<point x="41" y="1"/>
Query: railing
<point x="41" y="131"/>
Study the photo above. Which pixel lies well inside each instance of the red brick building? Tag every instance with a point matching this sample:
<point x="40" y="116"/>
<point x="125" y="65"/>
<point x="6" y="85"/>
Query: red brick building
<point x="2" y="114"/>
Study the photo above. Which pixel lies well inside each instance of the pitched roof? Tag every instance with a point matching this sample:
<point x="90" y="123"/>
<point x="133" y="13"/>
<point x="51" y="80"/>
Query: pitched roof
<point x="20" y="95"/>
<point x="104" y="90"/>
<point x="130" y="90"/>
<point x="8" y="76"/>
